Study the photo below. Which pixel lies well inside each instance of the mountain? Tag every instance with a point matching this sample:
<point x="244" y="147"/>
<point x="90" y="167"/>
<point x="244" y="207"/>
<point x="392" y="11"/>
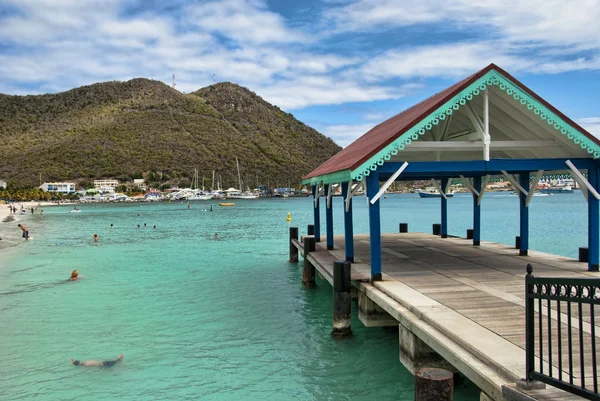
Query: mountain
<point x="126" y="129"/>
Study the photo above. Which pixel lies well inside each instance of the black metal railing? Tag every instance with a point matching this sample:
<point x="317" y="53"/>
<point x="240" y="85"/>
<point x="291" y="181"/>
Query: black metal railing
<point x="566" y="334"/>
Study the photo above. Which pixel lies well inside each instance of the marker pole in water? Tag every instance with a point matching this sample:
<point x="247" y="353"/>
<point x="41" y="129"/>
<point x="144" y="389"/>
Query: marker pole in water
<point x="308" y="271"/>
<point x="342" y="299"/>
<point x="293" y="249"/>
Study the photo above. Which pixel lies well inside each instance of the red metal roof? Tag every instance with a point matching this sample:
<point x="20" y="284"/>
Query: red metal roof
<point x="365" y="147"/>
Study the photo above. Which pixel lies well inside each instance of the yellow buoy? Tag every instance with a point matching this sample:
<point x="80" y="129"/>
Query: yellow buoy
<point x="289" y="218"/>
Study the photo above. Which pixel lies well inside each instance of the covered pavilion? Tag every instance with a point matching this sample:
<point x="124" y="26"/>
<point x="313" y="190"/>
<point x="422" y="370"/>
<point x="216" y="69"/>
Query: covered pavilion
<point x="486" y="125"/>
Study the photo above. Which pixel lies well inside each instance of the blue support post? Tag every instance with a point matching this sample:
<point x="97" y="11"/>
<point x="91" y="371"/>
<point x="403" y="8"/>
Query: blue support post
<point x="524" y="214"/>
<point x="374" y="226"/>
<point x="476" y="213"/>
<point x="348" y="228"/>
<point x="329" y="218"/>
<point x="444" y="204"/>
<point x="593" y="223"/>
<point x="317" y="213"/>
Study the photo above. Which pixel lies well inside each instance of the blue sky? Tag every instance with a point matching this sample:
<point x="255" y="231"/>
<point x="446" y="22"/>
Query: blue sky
<point x="340" y="66"/>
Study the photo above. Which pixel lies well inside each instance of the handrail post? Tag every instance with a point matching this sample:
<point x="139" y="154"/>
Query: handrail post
<point x="529" y="325"/>
<point x="293" y="249"/>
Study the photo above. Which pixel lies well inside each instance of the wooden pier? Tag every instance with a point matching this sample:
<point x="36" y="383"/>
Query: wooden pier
<point x="463" y="303"/>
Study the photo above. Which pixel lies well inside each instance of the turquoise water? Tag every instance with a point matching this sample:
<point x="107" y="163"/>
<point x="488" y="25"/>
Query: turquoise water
<point x="213" y="319"/>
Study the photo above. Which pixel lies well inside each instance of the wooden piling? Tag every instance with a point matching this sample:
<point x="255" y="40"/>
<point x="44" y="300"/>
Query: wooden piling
<point x="308" y="271"/>
<point x="437" y="229"/>
<point x="432" y="384"/>
<point x="293" y="249"/>
<point x="469" y="233"/>
<point x="310" y="230"/>
<point x="517" y="242"/>
<point x="583" y="254"/>
<point x="403" y="227"/>
<point x="342" y="297"/>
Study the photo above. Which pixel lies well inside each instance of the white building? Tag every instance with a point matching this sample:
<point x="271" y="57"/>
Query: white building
<point x="2" y="184"/>
<point x="140" y="183"/>
<point x="106" y="183"/>
<point x="62" y="187"/>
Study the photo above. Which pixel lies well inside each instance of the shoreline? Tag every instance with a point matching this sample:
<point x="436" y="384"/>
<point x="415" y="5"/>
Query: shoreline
<point x="9" y="232"/>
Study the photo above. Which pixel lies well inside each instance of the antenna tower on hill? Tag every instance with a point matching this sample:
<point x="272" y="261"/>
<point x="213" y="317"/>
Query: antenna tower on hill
<point x="214" y="78"/>
<point x="174" y="84"/>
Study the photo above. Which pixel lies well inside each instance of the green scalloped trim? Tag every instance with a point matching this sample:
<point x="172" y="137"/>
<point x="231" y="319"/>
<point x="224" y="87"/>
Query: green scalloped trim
<point x="492" y="78"/>
<point x="333" y="178"/>
<point x="498" y="178"/>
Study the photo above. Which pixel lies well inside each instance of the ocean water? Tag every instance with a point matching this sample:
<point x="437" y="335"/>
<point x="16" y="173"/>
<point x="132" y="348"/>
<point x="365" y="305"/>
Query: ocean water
<point x="199" y="318"/>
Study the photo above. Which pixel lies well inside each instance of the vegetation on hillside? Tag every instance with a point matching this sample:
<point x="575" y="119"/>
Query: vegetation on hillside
<point x="142" y="127"/>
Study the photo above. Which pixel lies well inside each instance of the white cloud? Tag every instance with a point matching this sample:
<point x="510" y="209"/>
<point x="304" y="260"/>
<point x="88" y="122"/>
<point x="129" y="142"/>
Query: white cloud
<point x="592" y="124"/>
<point x="555" y="22"/>
<point x="243" y="21"/>
<point x="344" y="135"/>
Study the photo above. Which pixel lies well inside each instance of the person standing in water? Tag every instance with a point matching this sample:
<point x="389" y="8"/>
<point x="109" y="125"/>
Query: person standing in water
<point x="103" y="364"/>
<point x="25" y="231"/>
<point x="95" y="237"/>
<point x="111" y="226"/>
<point x="216" y="236"/>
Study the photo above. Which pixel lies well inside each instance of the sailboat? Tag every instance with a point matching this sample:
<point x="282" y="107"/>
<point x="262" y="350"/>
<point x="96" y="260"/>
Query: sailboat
<point x="239" y="194"/>
<point x="198" y="194"/>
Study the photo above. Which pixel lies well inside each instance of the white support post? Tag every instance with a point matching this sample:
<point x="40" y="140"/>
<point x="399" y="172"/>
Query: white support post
<point x="317" y="194"/>
<point x="388" y="183"/>
<point x="583" y="183"/>
<point x="514" y="182"/>
<point x="439" y="188"/>
<point x="486" y="126"/>
<point x="349" y="196"/>
<point x="484" y="183"/>
<point x="329" y="195"/>
<point x="534" y="185"/>
<point x="469" y="184"/>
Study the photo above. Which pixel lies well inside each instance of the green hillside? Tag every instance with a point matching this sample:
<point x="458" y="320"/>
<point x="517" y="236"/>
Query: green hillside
<point x="125" y="129"/>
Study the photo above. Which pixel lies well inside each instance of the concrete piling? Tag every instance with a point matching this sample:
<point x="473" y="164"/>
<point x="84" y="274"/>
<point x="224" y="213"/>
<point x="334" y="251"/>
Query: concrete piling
<point x="433" y="384"/>
<point x="308" y="271"/>
<point x="342" y="297"/>
<point x="293" y="249"/>
<point x="310" y="230"/>
<point x="403" y="227"/>
<point x="583" y="254"/>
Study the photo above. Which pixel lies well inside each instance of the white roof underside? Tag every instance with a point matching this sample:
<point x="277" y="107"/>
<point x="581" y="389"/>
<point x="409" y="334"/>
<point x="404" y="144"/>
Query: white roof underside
<point x="515" y="133"/>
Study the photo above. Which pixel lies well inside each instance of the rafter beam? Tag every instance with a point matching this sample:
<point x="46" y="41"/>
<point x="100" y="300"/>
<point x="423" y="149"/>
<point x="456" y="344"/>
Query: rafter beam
<point x="469" y="184"/>
<point x="514" y="182"/>
<point x="465" y="146"/>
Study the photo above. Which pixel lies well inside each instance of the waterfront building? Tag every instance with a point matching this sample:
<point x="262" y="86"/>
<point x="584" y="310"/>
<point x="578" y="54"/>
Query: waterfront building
<point x="2" y="184"/>
<point x="140" y="183"/>
<point x="59" y="187"/>
<point x="106" y="183"/>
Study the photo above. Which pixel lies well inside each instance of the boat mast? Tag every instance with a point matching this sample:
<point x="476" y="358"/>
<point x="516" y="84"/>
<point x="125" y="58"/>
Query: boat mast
<point x="239" y="176"/>
<point x="212" y="185"/>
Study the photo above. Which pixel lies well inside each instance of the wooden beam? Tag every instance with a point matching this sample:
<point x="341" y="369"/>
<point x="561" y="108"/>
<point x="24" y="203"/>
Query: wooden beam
<point x="388" y="183"/>
<point x="486" y="126"/>
<point x="462" y="146"/>
<point x="533" y="186"/>
<point x="581" y="180"/>
<point x="439" y="188"/>
<point x="514" y="182"/>
<point x="484" y="183"/>
<point x="469" y="184"/>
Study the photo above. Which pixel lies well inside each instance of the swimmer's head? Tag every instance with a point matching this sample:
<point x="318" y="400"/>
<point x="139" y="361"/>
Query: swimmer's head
<point x="75" y="362"/>
<point x="18" y="225"/>
<point x="74" y="274"/>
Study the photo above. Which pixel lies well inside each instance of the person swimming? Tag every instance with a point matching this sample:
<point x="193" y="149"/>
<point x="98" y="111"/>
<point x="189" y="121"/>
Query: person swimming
<point x="154" y="227"/>
<point x="74" y="275"/>
<point x="102" y="364"/>
<point x="95" y="237"/>
<point x="111" y="226"/>
<point x="216" y="236"/>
